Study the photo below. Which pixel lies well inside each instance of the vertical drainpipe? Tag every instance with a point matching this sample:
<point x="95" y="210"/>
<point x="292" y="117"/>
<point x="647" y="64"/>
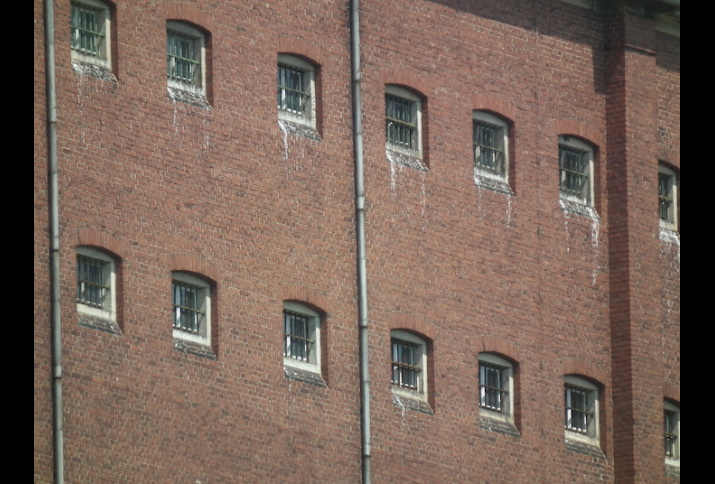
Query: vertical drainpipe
<point x="366" y="437"/>
<point x="55" y="317"/>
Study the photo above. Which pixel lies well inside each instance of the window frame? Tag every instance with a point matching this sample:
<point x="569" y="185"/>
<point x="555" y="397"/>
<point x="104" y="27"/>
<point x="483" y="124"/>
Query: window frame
<point x="506" y="374"/>
<point x="671" y="220"/>
<point x="204" y="293"/>
<point x="314" y="321"/>
<point x="416" y="108"/>
<point x="308" y="72"/>
<point x="674" y="410"/>
<point x="198" y="37"/>
<point x="103" y="58"/>
<point x="108" y="311"/>
<point x="421" y="357"/>
<point x="485" y="118"/>
<point x="572" y="143"/>
<point x="591" y="433"/>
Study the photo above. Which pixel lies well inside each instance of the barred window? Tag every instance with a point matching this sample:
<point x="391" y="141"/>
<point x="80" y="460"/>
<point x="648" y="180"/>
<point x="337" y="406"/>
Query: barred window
<point x="573" y="165"/>
<point x="581" y="410"/>
<point x="401" y="124"/>
<point x="671" y="425"/>
<point x="96" y="281"/>
<point x="90" y="31"/>
<point x="576" y="170"/>
<point x="188" y="312"/>
<point x="496" y="387"/>
<point x="491" y="392"/>
<point x="296" y="90"/>
<point x="301" y="337"/>
<point x="87" y="29"/>
<point x="293" y="95"/>
<point x="406" y="365"/>
<point x="667" y="197"/>
<point x="671" y="437"/>
<point x="578" y="413"/>
<point x="191" y="302"/>
<point x="403" y="121"/>
<point x="185" y="57"/>
<point x="490" y="146"/>
<point x="93" y="276"/>
<point x="409" y="364"/>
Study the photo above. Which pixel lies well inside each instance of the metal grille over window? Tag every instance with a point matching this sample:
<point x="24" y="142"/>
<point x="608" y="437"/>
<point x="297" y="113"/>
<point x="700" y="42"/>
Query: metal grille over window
<point x="574" y="172"/>
<point x="401" y="124"/>
<point x="406" y="368"/>
<point x="671" y="436"/>
<point x="86" y="30"/>
<point x="491" y="387"/>
<point x="182" y="57"/>
<point x="298" y="342"/>
<point x="293" y="95"/>
<point x="578" y="415"/>
<point x="188" y="313"/>
<point x="489" y="147"/>
<point x="665" y="196"/>
<point x="92" y="275"/>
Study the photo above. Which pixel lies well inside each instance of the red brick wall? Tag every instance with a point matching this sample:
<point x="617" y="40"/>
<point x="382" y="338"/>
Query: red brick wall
<point x="268" y="216"/>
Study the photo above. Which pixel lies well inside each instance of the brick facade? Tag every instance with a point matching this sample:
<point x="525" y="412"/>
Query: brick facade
<point x="266" y="215"/>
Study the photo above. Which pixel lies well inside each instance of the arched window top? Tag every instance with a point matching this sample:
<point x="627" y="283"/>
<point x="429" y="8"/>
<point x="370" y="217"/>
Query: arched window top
<point x="577" y="142"/>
